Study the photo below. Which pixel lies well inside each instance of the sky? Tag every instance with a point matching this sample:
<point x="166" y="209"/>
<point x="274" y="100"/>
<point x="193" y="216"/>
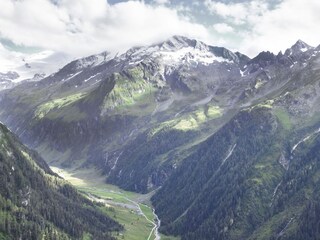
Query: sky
<point x="80" y="28"/>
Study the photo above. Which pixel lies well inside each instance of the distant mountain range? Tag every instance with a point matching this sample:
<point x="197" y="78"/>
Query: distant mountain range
<point x="230" y="143"/>
<point x="29" y="67"/>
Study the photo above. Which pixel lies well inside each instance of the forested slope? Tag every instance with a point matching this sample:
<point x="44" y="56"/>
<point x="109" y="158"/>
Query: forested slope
<point x="238" y="184"/>
<point x="37" y="204"/>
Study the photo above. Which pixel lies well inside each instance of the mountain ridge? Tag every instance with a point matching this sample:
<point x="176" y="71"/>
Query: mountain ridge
<point x="149" y="117"/>
<point x="106" y="92"/>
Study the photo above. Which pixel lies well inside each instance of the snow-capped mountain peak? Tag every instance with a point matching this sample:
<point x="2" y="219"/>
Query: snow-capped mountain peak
<point x="178" y="50"/>
<point x="178" y="42"/>
<point x="298" y="48"/>
<point x="301" y="46"/>
<point x="93" y="60"/>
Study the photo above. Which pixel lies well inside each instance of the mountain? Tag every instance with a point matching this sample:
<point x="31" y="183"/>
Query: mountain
<point x="257" y="176"/>
<point x="16" y="66"/>
<point x="37" y="204"/>
<point x="247" y="181"/>
<point x="7" y="79"/>
<point x="90" y="111"/>
<point x="229" y="143"/>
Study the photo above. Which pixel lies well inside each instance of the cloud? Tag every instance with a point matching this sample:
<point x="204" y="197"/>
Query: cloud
<point x="223" y="28"/>
<point x="281" y="27"/>
<point x="7" y="59"/>
<point x="238" y="13"/>
<point x="162" y="2"/>
<point x="260" y="26"/>
<point x="82" y="27"/>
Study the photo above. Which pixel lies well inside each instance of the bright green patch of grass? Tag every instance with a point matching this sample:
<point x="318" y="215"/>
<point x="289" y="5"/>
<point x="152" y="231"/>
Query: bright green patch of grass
<point x="191" y="121"/>
<point x="128" y="92"/>
<point x="147" y="211"/>
<point x="45" y="108"/>
<point x="186" y="124"/>
<point x="265" y="104"/>
<point x="106" y="194"/>
<point x="196" y="118"/>
<point x="68" y="114"/>
<point x="91" y="180"/>
<point x="214" y="112"/>
<point x="136" y="226"/>
<point x="283" y="117"/>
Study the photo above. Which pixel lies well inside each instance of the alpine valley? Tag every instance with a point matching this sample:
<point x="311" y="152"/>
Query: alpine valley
<point x="227" y="146"/>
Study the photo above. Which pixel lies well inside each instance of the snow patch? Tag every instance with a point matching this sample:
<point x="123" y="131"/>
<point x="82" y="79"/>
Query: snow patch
<point x="97" y="81"/>
<point x="88" y="79"/>
<point x="94" y="60"/>
<point x="71" y="76"/>
<point x="190" y="55"/>
<point x="173" y="52"/>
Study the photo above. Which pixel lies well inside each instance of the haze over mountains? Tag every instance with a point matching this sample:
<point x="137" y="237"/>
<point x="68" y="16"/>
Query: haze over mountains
<point x="17" y="67"/>
<point x="229" y="143"/>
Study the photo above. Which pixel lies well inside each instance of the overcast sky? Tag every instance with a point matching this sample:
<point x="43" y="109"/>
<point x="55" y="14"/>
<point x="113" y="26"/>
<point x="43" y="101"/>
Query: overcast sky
<point x="84" y="27"/>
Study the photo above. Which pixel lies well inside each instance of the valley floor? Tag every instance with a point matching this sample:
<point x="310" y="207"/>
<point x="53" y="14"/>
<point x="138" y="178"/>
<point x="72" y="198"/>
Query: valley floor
<point x="134" y="211"/>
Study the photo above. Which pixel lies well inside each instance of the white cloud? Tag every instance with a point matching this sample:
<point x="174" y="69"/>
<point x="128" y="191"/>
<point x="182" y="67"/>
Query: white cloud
<point x="281" y="27"/>
<point x="196" y="3"/>
<point x="82" y="27"/>
<point x="258" y="27"/>
<point x="162" y="2"/>
<point x="43" y="62"/>
<point x="238" y="13"/>
<point x="223" y="28"/>
<point x="7" y="58"/>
